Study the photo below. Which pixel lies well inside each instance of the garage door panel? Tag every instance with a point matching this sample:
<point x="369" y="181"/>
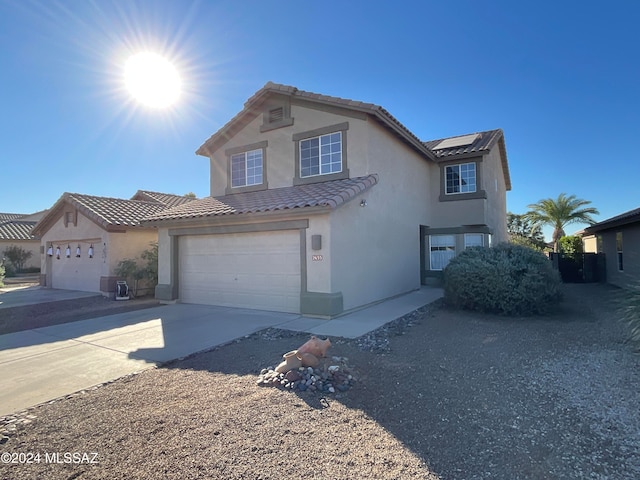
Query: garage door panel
<point x="258" y="270"/>
<point x="73" y="273"/>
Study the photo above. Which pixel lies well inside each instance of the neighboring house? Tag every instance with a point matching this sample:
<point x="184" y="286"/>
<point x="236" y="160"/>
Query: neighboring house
<point x="589" y="242"/>
<point x="320" y="205"/>
<point x="16" y="230"/>
<point x="619" y="239"/>
<point x="84" y="237"/>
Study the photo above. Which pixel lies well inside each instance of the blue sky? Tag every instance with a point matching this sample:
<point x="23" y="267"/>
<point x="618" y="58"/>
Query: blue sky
<point x="560" y="78"/>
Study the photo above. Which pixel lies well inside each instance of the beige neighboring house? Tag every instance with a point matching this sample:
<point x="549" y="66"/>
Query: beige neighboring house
<point x="619" y="239"/>
<point x="320" y="205"/>
<point x="16" y="230"/>
<point x="84" y="237"/>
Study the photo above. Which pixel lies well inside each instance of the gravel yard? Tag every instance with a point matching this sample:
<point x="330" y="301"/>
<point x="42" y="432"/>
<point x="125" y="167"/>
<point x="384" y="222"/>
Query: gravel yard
<point x="440" y="394"/>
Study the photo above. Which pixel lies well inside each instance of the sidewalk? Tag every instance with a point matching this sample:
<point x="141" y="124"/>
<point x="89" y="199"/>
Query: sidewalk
<point x="45" y="363"/>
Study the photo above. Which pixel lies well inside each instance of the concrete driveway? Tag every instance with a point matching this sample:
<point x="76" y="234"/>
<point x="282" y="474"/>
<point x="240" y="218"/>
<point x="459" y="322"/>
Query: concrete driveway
<point x="20" y="296"/>
<point x="46" y="363"/>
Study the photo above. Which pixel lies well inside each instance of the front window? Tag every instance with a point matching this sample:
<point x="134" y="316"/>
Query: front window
<point x="246" y="168"/>
<point x="619" y="251"/>
<point x="321" y="155"/>
<point x="460" y="178"/>
<point x="443" y="249"/>
<point x="473" y="240"/>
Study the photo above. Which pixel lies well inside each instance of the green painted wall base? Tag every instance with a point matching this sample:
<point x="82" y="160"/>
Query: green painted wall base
<point x="323" y="304"/>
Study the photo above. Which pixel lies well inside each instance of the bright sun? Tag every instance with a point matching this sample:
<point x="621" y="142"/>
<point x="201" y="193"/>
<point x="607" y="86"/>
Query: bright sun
<point x="152" y="80"/>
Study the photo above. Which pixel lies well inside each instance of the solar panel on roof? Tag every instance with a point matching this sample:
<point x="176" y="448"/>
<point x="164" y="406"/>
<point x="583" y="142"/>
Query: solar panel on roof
<point x="457" y="141"/>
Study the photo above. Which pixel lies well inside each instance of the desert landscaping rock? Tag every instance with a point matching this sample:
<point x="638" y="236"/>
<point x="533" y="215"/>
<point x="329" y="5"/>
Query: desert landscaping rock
<point x="463" y="396"/>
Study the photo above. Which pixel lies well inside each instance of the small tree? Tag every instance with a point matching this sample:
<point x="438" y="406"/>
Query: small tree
<point x="559" y="212"/>
<point x="522" y="232"/>
<point x="133" y="271"/>
<point x="571" y="245"/>
<point x="17" y="257"/>
<point x="1" y="274"/>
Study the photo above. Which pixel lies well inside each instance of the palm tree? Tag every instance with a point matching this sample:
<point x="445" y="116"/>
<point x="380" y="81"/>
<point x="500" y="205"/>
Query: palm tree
<point x="558" y="213"/>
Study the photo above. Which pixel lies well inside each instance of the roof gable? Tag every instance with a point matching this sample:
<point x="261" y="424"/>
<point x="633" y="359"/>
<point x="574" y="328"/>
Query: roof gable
<point x="112" y="214"/>
<point x="252" y="108"/>
<point x="481" y="144"/>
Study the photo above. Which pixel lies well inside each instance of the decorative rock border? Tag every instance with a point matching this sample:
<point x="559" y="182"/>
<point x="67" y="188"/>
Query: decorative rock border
<point x="322" y="379"/>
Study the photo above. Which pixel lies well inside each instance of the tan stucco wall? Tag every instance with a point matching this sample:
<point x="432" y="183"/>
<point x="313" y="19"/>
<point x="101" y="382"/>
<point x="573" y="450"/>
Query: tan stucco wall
<point x="630" y="276"/>
<point x="590" y="244"/>
<point x="376" y="248"/>
<point x="496" y="202"/>
<point x="319" y="270"/>
<point x="280" y="152"/>
<point x="32" y="246"/>
<point x="491" y="211"/>
<point x="164" y="257"/>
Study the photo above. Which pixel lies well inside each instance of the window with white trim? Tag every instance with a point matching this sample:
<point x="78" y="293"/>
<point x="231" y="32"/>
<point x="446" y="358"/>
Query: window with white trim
<point x="246" y="168"/>
<point x="619" y="251"/>
<point x="460" y="178"/>
<point x="442" y="250"/>
<point x="473" y="240"/>
<point x="321" y="155"/>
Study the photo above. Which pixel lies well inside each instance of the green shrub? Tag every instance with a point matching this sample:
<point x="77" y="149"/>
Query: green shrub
<point x="630" y="313"/>
<point x="506" y="279"/>
<point x="1" y="275"/>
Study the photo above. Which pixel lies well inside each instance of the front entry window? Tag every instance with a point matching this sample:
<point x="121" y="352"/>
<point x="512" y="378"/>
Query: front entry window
<point x="442" y="250"/>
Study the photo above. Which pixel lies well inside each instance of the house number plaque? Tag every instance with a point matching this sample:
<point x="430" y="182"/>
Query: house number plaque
<point x="316" y="258"/>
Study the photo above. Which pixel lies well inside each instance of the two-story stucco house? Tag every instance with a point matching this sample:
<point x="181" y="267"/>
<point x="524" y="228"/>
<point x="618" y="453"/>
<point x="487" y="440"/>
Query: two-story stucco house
<point x="320" y="205"/>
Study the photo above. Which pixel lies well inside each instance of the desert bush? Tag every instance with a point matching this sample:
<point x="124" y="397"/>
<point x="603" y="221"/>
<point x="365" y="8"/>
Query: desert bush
<point x="630" y="313"/>
<point x="506" y="279"/>
<point x="17" y="257"/>
<point x="140" y="272"/>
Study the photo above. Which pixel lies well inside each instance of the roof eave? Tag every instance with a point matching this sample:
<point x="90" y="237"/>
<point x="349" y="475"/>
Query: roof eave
<point x="249" y="217"/>
<point x="611" y="224"/>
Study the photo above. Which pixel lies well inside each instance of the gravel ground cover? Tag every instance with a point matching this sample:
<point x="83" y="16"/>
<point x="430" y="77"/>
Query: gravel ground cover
<point x="438" y="394"/>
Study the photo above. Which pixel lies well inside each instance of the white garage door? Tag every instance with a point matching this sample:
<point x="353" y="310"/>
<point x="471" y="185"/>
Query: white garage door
<point x="76" y="273"/>
<point x="252" y="270"/>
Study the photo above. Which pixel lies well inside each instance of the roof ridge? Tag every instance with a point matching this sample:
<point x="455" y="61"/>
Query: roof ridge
<point x="377" y="111"/>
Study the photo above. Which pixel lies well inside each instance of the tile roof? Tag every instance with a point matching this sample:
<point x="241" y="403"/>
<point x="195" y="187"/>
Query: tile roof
<point x="10" y="216"/>
<point x="16" y="230"/>
<point x="483" y="143"/>
<point x="167" y="199"/>
<point x="110" y="213"/>
<point x="632" y="216"/>
<point x="252" y="104"/>
<point x="114" y="211"/>
<point x="326" y="194"/>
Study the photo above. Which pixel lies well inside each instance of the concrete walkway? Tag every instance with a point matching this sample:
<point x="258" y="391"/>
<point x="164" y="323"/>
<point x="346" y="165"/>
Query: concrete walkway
<point x="45" y="363"/>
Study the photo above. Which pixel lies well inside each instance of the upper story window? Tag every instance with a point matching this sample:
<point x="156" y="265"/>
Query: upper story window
<point x="246" y="168"/>
<point x="321" y="155"/>
<point x="460" y="178"/>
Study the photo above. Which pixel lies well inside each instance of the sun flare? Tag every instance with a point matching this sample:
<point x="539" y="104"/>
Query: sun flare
<point x="152" y="80"/>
